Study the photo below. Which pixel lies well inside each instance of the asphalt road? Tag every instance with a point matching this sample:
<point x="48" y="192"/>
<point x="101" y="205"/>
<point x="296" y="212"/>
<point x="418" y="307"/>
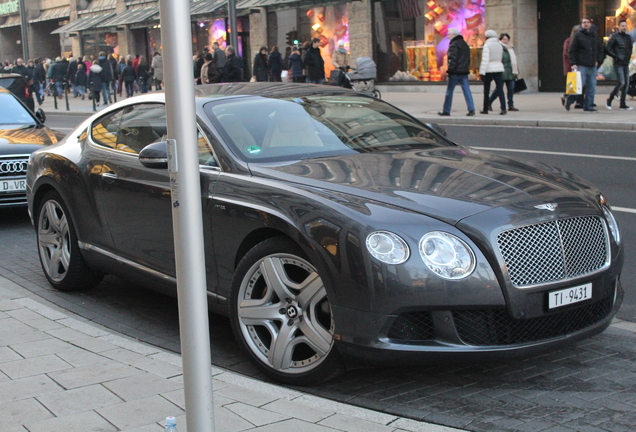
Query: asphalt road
<point x="587" y="386"/>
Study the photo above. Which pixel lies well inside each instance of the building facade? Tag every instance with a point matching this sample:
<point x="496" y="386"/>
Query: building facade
<point x="406" y="38"/>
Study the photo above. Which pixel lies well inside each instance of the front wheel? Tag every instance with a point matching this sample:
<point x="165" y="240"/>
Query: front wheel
<point x="281" y="314"/>
<point x="60" y="255"/>
<point x="377" y="94"/>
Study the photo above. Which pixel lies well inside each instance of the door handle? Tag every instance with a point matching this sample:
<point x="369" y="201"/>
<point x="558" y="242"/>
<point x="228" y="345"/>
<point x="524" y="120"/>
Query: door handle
<point x="109" y="177"/>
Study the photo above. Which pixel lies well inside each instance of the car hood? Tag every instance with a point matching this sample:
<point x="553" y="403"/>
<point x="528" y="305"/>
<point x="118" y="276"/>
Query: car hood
<point x="449" y="184"/>
<point x="20" y="139"/>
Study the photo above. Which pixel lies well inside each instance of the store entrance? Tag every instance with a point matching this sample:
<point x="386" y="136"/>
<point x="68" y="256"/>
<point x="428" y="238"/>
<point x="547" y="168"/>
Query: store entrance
<point x="556" y="19"/>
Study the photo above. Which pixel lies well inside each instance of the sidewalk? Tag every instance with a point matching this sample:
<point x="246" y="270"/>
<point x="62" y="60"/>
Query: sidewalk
<point x="59" y="372"/>
<point x="535" y="109"/>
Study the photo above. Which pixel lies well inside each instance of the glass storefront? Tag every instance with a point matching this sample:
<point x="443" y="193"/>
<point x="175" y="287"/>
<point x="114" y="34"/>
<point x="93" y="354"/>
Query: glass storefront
<point x="330" y="24"/>
<point x="95" y="42"/>
<point x="411" y="40"/>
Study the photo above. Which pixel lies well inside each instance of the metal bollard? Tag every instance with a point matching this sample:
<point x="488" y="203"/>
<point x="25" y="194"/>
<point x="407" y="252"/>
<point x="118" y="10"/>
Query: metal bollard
<point x="65" y="87"/>
<point x="93" y="99"/>
<point x="54" y="92"/>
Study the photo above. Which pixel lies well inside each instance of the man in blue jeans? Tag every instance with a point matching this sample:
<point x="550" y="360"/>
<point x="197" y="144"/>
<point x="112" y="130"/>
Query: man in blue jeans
<point x="619" y="47"/>
<point x="585" y="54"/>
<point x="458" y="64"/>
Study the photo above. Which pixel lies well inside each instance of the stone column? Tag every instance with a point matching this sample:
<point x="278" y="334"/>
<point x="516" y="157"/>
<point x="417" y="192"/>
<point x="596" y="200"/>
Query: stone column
<point x="76" y="43"/>
<point x="360" y="29"/>
<point x="518" y="18"/>
<point x="258" y="33"/>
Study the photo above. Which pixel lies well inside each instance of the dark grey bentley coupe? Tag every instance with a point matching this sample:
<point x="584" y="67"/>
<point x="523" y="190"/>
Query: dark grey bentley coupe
<point x="337" y="228"/>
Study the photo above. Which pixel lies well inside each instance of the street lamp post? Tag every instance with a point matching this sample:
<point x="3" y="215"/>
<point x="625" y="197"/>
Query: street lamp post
<point x="25" y="34"/>
<point x="187" y="222"/>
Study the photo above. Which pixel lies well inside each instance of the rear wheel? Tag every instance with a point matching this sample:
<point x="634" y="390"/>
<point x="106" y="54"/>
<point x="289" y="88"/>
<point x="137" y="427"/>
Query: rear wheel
<point x="281" y="314"/>
<point x="59" y="252"/>
<point x="377" y="94"/>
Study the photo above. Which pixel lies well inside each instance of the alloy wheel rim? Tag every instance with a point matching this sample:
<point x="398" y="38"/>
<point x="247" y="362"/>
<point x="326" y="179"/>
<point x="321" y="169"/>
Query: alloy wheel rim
<point x="54" y="240"/>
<point x="284" y="314"/>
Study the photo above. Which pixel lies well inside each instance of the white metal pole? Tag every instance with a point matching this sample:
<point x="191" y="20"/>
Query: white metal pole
<point x="186" y="214"/>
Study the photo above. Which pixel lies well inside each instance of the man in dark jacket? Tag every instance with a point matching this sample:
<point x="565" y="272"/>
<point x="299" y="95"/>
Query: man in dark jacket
<point x="619" y="47"/>
<point x="233" y="69"/>
<point x="458" y="64"/>
<point x="58" y="75"/>
<point x="314" y="64"/>
<point x="21" y="69"/>
<point x="106" y="76"/>
<point x="586" y="55"/>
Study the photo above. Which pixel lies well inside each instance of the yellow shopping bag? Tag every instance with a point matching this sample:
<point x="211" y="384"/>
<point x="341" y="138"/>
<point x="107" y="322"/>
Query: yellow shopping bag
<point x="573" y="83"/>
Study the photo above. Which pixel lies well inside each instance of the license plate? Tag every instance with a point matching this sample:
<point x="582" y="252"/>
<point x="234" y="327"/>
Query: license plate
<point x="569" y="295"/>
<point x="13" y="185"/>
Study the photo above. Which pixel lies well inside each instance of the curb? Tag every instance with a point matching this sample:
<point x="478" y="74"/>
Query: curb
<point x="625" y="127"/>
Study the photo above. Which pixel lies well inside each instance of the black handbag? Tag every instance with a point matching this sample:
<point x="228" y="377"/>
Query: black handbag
<point x="520" y="85"/>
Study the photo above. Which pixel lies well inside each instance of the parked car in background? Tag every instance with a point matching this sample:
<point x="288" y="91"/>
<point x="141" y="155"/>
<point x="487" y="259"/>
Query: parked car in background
<point x="21" y="133"/>
<point x="336" y="228"/>
<point x="17" y="85"/>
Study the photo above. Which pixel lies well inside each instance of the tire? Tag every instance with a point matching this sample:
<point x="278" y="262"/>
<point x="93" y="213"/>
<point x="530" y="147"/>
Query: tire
<point x="377" y="94"/>
<point x="60" y="256"/>
<point x="281" y="316"/>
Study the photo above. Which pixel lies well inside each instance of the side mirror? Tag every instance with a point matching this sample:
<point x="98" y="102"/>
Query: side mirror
<point x="39" y="114"/>
<point x="437" y="128"/>
<point x="155" y="155"/>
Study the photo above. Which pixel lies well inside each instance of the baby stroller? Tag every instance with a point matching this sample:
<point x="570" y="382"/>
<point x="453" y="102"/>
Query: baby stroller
<point x="631" y="87"/>
<point x="361" y="79"/>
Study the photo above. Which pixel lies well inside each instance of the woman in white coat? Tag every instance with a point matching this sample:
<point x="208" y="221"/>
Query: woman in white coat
<point x="491" y="69"/>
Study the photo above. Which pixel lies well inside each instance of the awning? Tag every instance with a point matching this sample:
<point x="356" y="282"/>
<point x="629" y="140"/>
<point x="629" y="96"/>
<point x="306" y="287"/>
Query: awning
<point x="83" y="23"/>
<point x="247" y="4"/>
<point x="131" y="16"/>
<point x="53" y="14"/>
<point x="206" y="6"/>
<point x="12" y="21"/>
<point x="98" y="6"/>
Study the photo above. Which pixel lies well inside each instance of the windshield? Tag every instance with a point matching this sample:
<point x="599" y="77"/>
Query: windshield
<point x="13" y="112"/>
<point x="270" y="130"/>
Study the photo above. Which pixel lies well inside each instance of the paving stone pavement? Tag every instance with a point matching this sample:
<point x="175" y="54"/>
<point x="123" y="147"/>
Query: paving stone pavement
<point x="62" y="372"/>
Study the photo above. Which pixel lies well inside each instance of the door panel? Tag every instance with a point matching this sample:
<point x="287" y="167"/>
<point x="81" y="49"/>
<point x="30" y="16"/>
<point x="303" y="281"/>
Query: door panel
<point x="556" y="19"/>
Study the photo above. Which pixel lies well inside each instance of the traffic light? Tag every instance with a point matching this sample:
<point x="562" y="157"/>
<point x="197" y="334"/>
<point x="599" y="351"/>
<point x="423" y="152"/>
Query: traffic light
<point x="292" y="37"/>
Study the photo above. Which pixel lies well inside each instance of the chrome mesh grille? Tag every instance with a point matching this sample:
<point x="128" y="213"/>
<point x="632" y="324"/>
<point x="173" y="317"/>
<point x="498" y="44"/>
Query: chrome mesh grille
<point x="554" y="251"/>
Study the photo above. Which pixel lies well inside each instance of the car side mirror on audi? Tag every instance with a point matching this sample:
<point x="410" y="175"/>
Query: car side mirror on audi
<point x="155" y="155"/>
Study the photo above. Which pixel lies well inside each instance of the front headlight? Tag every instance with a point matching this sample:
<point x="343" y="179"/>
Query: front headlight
<point x="387" y="247"/>
<point x="613" y="226"/>
<point x="447" y="255"/>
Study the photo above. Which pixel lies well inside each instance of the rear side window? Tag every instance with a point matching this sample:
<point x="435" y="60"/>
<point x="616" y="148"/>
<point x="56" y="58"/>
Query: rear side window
<point x="104" y="130"/>
<point x="141" y="125"/>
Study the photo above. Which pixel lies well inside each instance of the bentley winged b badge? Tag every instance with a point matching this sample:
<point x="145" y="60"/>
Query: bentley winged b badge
<point x="549" y="206"/>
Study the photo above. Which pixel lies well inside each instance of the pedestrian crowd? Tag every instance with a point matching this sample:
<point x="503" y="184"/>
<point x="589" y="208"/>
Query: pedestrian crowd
<point x="301" y="63"/>
<point x="95" y="77"/>
<point x="583" y="52"/>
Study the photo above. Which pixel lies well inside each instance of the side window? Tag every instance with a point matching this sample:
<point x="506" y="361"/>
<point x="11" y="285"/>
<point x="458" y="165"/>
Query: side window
<point x="141" y="125"/>
<point x="104" y="130"/>
<point x="206" y="157"/>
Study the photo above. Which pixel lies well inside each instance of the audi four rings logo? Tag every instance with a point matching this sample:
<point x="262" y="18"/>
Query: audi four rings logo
<point x="13" y="167"/>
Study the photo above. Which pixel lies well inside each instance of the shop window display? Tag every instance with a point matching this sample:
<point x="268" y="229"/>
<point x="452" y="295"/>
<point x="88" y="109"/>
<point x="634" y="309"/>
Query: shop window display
<point x="330" y="24"/>
<point x="412" y="37"/>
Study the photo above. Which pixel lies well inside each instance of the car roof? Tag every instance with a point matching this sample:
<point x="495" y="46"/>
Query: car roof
<point x="267" y="89"/>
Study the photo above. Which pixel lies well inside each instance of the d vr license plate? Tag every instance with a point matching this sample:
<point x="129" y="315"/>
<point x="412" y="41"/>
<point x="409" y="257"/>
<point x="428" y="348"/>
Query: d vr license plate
<point x="569" y="295"/>
<point x="13" y="185"/>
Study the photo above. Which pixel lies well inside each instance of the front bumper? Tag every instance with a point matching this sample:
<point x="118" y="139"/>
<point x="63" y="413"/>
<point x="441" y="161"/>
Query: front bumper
<point x="477" y="334"/>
